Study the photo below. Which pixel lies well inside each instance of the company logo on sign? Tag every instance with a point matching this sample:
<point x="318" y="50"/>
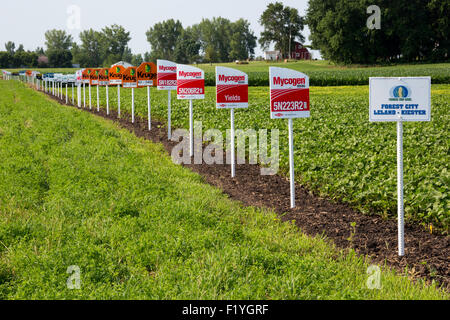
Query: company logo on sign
<point x="289" y="93"/>
<point x="296" y="82"/>
<point x="168" y="68"/>
<point x="185" y="74"/>
<point x="238" y="79"/>
<point x="400" y="93"/>
<point x="117" y="69"/>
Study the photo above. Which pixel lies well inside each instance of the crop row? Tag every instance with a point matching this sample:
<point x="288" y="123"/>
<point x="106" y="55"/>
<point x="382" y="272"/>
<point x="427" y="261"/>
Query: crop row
<point x="338" y="152"/>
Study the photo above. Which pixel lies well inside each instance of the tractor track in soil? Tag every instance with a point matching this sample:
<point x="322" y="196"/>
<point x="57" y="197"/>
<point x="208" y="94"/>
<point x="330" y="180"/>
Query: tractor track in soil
<point x="427" y="256"/>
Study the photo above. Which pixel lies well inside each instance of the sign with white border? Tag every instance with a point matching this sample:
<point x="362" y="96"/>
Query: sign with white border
<point x="289" y="94"/>
<point x="231" y="88"/>
<point x="405" y="98"/>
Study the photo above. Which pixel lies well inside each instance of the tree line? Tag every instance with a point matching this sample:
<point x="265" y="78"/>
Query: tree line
<point x="411" y="30"/>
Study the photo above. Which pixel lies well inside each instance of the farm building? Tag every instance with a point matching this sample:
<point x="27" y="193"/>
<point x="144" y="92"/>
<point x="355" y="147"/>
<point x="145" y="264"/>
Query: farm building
<point x="272" y="55"/>
<point x="298" y="52"/>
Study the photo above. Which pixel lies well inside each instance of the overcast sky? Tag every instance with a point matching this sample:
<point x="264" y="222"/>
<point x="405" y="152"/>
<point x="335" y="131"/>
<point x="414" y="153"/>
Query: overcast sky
<point x="25" y="22"/>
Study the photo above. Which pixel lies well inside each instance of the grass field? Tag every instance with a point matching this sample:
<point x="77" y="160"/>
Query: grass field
<point x="77" y="190"/>
<point x="338" y="152"/>
<point x="322" y="73"/>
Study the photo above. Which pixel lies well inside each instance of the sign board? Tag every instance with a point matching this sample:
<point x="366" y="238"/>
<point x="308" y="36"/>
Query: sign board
<point x="79" y="77"/>
<point x="93" y="77"/>
<point x="231" y="88"/>
<point x="405" y="98"/>
<point x="103" y="77"/>
<point x="190" y="82"/>
<point x="115" y="75"/>
<point x="146" y="74"/>
<point x="85" y="75"/>
<point x="289" y="93"/>
<point x="129" y="78"/>
<point x="167" y="75"/>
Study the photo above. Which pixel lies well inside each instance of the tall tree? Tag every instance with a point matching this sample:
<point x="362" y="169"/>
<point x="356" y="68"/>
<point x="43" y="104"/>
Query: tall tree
<point x="115" y="43"/>
<point x="188" y="46"/>
<point x="242" y="41"/>
<point x="58" y="44"/>
<point x="163" y="38"/>
<point x="91" y="50"/>
<point x="10" y="47"/>
<point x="282" y="26"/>
<point x="215" y="39"/>
<point x="410" y="30"/>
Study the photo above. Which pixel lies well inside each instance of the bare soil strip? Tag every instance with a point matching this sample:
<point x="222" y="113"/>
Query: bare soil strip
<point x="427" y="255"/>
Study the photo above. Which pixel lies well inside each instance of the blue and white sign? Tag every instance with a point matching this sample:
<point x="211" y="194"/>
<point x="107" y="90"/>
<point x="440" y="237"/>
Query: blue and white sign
<point x="404" y="98"/>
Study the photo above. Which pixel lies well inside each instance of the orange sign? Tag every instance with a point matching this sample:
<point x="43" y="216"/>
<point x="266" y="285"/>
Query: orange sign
<point x="85" y="75"/>
<point x="115" y="75"/>
<point x="129" y="78"/>
<point x="29" y="73"/>
<point x="103" y="77"/>
<point x="146" y="75"/>
<point x="93" y="77"/>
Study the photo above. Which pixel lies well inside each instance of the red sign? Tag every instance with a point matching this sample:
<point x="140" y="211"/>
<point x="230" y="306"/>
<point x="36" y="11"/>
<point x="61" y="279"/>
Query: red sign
<point x="289" y="94"/>
<point x="167" y="75"/>
<point x="190" y="82"/>
<point x="231" y="88"/>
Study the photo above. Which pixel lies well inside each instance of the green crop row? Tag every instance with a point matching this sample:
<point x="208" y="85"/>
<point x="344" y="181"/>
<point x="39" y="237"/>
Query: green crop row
<point x="338" y="152"/>
<point x="345" y="77"/>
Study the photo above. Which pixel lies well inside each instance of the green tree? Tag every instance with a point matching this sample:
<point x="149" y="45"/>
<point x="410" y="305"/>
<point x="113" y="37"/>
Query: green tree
<point x="282" y="26"/>
<point x="242" y="41"/>
<point x="58" y="44"/>
<point x="188" y="46"/>
<point x="91" y="52"/>
<point x="6" y="59"/>
<point x="163" y="37"/>
<point x="410" y="30"/>
<point x="114" y="42"/>
<point x="10" y="47"/>
<point x="137" y="59"/>
<point x="215" y="39"/>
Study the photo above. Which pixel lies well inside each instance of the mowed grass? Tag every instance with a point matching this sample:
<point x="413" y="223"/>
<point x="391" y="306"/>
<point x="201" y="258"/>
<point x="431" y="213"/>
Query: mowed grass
<point x="338" y="152"/>
<point x="77" y="190"/>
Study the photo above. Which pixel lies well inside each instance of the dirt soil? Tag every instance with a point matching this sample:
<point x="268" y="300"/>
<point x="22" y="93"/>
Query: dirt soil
<point x="427" y="255"/>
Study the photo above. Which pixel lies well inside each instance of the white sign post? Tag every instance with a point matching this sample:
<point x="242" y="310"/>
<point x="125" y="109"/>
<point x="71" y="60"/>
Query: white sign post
<point x="190" y="86"/>
<point x="167" y="80"/>
<point x="400" y="99"/>
<point x="289" y="98"/>
<point x="231" y="93"/>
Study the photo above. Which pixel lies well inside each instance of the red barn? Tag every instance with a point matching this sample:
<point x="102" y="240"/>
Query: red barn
<point x="299" y="52"/>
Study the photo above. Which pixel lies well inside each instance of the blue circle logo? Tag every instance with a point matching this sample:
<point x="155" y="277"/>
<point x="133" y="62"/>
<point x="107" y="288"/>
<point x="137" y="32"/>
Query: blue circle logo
<point x="400" y="92"/>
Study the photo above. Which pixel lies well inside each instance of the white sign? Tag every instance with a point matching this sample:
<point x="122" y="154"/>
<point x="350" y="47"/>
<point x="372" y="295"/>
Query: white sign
<point x="79" y="77"/>
<point x="405" y="98"/>
<point x="289" y="94"/>
<point x="190" y="82"/>
<point x="167" y="75"/>
<point x="231" y="88"/>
